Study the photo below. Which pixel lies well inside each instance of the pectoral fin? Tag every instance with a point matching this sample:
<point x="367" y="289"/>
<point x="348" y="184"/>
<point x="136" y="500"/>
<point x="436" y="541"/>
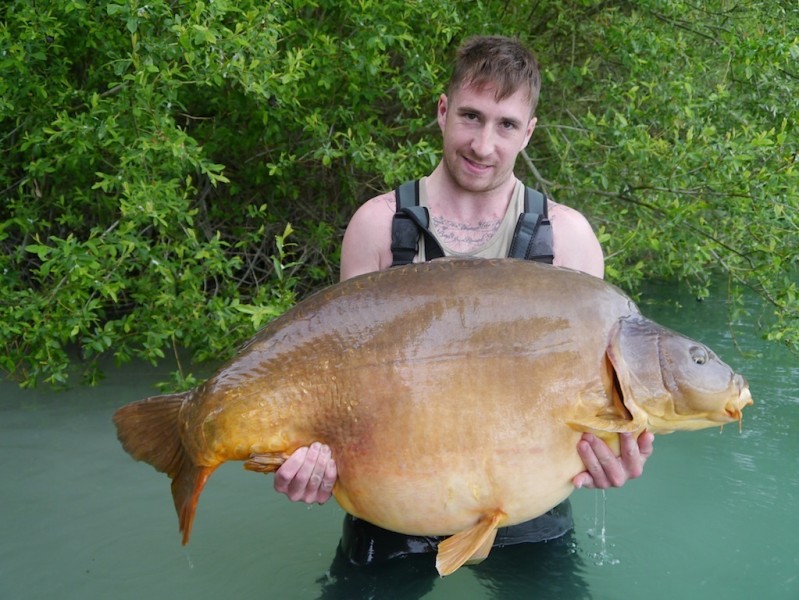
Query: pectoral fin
<point x="482" y="552"/>
<point x="468" y="546"/>
<point x="602" y="425"/>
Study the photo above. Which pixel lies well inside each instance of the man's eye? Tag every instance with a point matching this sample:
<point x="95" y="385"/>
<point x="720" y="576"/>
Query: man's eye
<point x="509" y="125"/>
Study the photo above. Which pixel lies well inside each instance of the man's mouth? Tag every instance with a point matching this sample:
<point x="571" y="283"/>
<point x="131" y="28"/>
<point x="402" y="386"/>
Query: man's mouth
<point x="476" y="165"/>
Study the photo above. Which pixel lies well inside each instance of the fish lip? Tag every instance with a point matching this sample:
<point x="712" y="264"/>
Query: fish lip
<point x="734" y="408"/>
<point x="744" y="394"/>
<point x="744" y="398"/>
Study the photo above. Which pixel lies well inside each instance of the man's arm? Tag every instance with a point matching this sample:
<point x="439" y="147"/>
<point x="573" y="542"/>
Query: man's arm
<point x="575" y="243"/>
<point x="367" y="242"/>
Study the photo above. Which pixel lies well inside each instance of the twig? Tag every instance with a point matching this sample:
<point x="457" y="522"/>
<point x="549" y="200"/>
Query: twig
<point x="534" y="170"/>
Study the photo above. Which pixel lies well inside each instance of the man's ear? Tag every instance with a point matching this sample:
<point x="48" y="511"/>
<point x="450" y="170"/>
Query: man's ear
<point x="442" y="111"/>
<point x="530" y="128"/>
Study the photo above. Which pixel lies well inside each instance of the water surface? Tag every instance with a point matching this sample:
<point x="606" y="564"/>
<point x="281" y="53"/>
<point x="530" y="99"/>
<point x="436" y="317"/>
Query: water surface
<point x="715" y="515"/>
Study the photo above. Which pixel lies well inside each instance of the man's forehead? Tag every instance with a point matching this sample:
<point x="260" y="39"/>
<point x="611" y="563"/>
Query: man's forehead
<point x="470" y="93"/>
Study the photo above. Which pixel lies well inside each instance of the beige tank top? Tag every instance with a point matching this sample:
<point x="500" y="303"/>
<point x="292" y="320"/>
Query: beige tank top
<point x="498" y="245"/>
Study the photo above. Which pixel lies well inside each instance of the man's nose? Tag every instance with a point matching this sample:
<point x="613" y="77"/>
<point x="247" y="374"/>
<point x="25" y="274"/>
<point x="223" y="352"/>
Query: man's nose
<point x="483" y="142"/>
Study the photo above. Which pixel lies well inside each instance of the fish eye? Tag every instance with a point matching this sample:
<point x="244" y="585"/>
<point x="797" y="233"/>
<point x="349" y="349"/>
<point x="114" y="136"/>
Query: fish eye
<point x="698" y="355"/>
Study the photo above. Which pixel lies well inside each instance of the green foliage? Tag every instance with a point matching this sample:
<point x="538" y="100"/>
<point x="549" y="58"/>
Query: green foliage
<point x="155" y="154"/>
<point x="673" y="124"/>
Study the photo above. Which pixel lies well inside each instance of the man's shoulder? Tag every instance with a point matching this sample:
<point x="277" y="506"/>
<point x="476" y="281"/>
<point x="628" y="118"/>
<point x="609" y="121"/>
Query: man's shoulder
<point x="377" y="210"/>
<point x="381" y="204"/>
<point x="576" y="244"/>
<point x="565" y="216"/>
<point x="367" y="241"/>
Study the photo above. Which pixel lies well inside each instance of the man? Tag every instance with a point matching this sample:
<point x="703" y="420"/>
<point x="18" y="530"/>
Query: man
<point x="474" y="199"/>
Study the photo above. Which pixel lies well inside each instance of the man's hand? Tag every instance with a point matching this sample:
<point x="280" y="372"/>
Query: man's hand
<point x="604" y="469"/>
<point x="308" y="475"/>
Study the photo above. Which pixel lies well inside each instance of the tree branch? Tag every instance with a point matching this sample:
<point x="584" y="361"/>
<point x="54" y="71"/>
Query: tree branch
<point x="545" y="184"/>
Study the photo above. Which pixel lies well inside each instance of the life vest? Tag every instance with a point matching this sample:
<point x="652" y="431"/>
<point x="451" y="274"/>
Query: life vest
<point x="532" y="238"/>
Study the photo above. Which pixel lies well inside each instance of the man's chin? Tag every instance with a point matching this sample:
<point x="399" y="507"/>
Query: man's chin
<point x="474" y="182"/>
<point x="476" y="185"/>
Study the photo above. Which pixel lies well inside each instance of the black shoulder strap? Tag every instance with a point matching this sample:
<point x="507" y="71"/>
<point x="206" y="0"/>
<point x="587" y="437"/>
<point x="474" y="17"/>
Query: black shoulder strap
<point x="532" y="239"/>
<point x="410" y="221"/>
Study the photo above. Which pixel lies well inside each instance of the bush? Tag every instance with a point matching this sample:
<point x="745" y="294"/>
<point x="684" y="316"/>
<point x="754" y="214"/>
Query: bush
<point x="157" y="153"/>
<point x="177" y="173"/>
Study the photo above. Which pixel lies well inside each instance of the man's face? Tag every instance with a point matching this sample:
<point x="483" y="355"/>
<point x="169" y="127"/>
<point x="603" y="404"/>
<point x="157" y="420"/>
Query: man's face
<point x="482" y="137"/>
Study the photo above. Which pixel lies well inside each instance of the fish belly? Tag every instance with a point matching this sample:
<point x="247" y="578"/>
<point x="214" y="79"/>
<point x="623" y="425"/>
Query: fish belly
<point x="442" y="492"/>
<point x="454" y="444"/>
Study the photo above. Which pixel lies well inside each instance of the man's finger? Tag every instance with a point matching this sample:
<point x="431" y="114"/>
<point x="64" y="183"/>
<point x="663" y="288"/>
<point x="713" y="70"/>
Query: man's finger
<point x="298" y="486"/>
<point x="288" y="470"/>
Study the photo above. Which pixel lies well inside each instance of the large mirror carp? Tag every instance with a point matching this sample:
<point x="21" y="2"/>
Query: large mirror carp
<point x="452" y="394"/>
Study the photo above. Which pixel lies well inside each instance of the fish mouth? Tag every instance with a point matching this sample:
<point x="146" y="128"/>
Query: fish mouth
<point x="734" y="409"/>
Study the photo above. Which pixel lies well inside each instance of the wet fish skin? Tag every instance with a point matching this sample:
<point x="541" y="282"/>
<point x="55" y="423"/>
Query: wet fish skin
<point x="451" y="393"/>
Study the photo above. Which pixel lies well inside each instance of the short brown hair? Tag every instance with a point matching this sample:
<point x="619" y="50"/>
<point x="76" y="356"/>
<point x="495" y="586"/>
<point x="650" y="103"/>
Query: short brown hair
<point x="500" y="61"/>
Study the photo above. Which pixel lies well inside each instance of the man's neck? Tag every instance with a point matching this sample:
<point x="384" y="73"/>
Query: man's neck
<point x="463" y="220"/>
<point x="446" y="199"/>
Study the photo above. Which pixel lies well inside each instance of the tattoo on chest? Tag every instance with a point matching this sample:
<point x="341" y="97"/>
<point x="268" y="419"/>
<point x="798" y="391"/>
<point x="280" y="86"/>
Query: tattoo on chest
<point x="465" y="237"/>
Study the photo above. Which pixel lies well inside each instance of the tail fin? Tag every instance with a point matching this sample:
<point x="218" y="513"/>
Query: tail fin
<point x="150" y="431"/>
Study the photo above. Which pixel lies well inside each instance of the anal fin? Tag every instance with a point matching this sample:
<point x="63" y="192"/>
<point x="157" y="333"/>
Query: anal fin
<point x="265" y="463"/>
<point x="469" y="545"/>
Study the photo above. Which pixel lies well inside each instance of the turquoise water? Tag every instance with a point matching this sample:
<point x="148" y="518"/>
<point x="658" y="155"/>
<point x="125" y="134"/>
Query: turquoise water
<point x="715" y="515"/>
